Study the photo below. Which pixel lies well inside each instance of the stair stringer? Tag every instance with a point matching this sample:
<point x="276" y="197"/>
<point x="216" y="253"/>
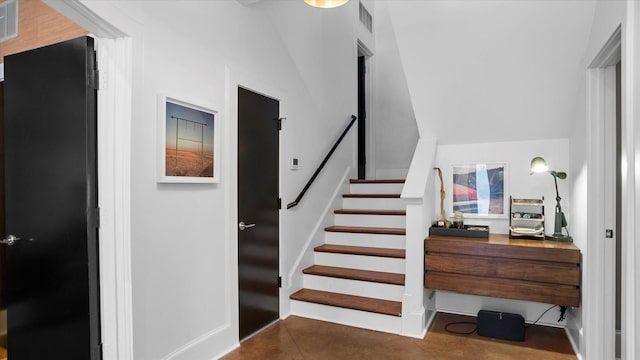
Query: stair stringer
<point x="316" y="236"/>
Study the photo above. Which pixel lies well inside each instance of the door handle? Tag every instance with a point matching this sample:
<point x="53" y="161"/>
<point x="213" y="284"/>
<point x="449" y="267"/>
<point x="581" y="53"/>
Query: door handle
<point x="243" y="226"/>
<point x="10" y="240"/>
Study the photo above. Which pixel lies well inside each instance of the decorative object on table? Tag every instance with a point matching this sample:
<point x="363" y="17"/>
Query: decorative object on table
<point x="469" y="231"/>
<point x="442" y="219"/>
<point x="478" y="189"/>
<point x="527" y="218"/>
<point x="188" y="142"/>
<point x="539" y="165"/>
<point x="457" y="221"/>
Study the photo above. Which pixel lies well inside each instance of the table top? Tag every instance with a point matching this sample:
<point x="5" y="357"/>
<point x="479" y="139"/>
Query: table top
<point x="503" y="239"/>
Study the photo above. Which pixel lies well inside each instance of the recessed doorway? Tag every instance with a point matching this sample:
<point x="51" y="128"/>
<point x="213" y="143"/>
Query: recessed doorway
<point x="258" y="211"/>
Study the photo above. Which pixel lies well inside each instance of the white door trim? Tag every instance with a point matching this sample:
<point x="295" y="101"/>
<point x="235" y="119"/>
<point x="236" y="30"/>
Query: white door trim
<point x="630" y="184"/>
<point x="114" y="158"/>
<point x="237" y="78"/>
<point x="597" y="299"/>
<point x="598" y="302"/>
<point x="114" y="174"/>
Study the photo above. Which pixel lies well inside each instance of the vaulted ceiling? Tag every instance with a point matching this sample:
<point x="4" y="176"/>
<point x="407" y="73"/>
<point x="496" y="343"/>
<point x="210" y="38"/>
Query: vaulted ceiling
<point x="484" y="71"/>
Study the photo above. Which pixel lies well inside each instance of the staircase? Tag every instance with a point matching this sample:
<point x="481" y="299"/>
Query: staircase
<point x="358" y="275"/>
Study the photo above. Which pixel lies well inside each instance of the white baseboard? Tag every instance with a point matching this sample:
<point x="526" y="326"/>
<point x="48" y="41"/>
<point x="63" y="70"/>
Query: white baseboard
<point x="194" y="344"/>
<point x="574" y="344"/>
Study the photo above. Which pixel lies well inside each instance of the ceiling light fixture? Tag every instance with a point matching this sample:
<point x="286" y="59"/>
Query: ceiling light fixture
<point x="325" y="4"/>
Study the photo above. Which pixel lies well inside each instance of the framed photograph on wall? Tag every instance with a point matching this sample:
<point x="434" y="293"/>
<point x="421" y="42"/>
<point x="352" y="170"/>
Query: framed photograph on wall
<point x="188" y="142"/>
<point x="479" y="189"/>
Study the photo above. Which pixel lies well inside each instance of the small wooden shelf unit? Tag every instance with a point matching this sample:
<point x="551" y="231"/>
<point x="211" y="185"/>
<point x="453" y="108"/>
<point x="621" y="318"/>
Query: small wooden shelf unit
<point x="532" y="270"/>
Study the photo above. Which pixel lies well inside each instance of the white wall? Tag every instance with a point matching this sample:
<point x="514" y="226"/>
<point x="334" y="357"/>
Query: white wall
<point x="580" y="322"/>
<point x="184" y="236"/>
<point x="395" y="129"/>
<point x="486" y="71"/>
<point x="517" y="156"/>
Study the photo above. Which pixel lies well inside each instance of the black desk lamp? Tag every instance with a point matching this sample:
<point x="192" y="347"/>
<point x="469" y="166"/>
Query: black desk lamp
<point x="538" y="165"/>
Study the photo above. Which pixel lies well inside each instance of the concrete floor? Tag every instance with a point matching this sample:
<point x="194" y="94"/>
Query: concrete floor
<point x="300" y="338"/>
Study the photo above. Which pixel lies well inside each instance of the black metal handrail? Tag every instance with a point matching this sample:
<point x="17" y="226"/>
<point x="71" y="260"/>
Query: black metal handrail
<point x="322" y="164"/>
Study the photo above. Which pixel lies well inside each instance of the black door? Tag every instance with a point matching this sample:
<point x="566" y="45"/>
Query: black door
<point x="362" y="117"/>
<point x="50" y="190"/>
<point x="258" y="238"/>
<point x="3" y="281"/>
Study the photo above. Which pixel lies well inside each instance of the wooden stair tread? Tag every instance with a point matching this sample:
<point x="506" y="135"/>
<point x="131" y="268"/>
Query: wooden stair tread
<point x="361" y="250"/>
<point x="366" y="230"/>
<point x="385" y="307"/>
<point x="372" y="196"/>
<point x="370" y="212"/>
<point x="382" y="181"/>
<point x="355" y="274"/>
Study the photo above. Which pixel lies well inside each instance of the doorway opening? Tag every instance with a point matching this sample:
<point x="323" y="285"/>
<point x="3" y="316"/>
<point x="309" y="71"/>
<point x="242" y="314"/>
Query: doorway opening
<point x="259" y="282"/>
<point x="364" y="155"/>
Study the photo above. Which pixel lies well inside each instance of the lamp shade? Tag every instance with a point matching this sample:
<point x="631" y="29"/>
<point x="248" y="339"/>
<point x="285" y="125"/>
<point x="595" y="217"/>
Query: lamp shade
<point x="538" y="165"/>
<point x="326" y="4"/>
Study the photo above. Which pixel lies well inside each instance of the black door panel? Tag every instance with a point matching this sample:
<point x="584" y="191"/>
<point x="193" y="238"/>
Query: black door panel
<point x="51" y="197"/>
<point x="258" y="246"/>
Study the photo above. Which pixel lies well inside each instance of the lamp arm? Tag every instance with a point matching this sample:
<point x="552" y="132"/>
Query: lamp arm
<point x="558" y="198"/>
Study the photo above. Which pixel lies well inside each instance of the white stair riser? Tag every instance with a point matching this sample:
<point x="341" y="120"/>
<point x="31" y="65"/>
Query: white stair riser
<point x="397" y="221"/>
<point x="376" y="188"/>
<point x="370" y="240"/>
<point x="373" y="263"/>
<point x="373" y="203"/>
<point x="361" y="319"/>
<point x="353" y="287"/>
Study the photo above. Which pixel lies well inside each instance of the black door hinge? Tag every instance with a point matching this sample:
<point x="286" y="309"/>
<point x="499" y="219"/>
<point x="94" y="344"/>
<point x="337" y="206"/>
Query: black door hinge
<point x="279" y="281"/>
<point x="279" y="120"/>
<point x="609" y="233"/>
<point x="279" y="203"/>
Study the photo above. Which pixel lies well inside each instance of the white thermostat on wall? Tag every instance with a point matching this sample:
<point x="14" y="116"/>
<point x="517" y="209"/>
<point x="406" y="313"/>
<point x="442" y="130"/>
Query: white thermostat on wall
<point x="295" y="164"/>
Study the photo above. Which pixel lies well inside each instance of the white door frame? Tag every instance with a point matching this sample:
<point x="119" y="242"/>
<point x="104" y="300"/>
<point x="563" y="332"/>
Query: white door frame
<point x="114" y="157"/>
<point x="599" y="294"/>
<point x="630" y="183"/>
<point x="599" y="265"/>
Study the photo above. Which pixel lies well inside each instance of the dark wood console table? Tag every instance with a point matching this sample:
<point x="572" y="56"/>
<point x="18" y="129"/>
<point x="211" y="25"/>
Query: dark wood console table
<point x="532" y="270"/>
